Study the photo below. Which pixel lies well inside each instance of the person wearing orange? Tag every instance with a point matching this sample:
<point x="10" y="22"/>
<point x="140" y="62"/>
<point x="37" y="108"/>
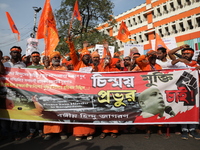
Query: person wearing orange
<point x="50" y="128"/>
<point x="186" y="60"/>
<point x="80" y="130"/>
<point x="109" y="65"/>
<point x="70" y="65"/>
<point x="84" y="60"/>
<point x="115" y="64"/>
<point x="135" y="66"/>
<point x="95" y="61"/>
<point x="148" y="62"/>
<point x="106" y="59"/>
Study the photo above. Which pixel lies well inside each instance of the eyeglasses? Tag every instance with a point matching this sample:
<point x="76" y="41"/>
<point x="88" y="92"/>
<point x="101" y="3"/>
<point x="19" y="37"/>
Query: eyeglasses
<point x="127" y="60"/>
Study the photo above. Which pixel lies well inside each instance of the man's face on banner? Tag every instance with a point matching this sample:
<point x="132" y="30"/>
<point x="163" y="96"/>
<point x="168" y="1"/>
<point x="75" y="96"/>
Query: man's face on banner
<point x="152" y="101"/>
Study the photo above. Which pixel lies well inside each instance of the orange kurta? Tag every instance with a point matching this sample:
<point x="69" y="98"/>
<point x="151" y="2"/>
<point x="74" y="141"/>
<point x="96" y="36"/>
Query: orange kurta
<point x="52" y="127"/>
<point x="80" y="130"/>
<point x="111" y="68"/>
<point x="144" y="65"/>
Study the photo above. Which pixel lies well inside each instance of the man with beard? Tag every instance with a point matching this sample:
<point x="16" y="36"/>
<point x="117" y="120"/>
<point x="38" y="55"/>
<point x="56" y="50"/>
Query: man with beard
<point x="95" y="60"/>
<point x="50" y="128"/>
<point x="15" y="62"/>
<point x="115" y="64"/>
<point x="148" y="62"/>
<point x="84" y="60"/>
<point x="127" y="64"/>
<point x="186" y="60"/>
<point x="80" y="130"/>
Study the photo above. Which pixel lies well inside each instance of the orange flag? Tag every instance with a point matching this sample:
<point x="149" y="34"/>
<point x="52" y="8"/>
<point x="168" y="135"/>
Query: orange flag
<point x="159" y="43"/>
<point x="47" y="28"/>
<point x="76" y="12"/>
<point x="123" y="33"/>
<point x="12" y="25"/>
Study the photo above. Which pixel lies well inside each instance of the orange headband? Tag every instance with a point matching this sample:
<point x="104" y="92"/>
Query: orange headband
<point x="36" y="54"/>
<point x="136" y="55"/>
<point x="188" y="51"/>
<point x="15" y="49"/>
<point x="23" y="57"/>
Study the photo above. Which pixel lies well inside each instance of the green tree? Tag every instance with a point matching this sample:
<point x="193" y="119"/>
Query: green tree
<point x="93" y="13"/>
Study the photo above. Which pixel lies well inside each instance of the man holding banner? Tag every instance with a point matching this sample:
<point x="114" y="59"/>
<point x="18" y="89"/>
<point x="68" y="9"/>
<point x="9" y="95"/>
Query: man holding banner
<point x="50" y="128"/>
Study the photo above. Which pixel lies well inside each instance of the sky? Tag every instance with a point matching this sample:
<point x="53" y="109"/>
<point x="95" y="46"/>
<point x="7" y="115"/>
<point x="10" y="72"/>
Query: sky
<point x="22" y="13"/>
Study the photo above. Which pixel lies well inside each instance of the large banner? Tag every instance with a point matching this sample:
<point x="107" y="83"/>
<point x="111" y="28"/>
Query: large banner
<point x="159" y="97"/>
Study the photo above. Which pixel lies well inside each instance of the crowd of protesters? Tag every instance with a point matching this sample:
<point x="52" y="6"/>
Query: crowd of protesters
<point x="154" y="60"/>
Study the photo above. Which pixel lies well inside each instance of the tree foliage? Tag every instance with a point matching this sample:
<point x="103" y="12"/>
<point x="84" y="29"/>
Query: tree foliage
<point x="93" y="13"/>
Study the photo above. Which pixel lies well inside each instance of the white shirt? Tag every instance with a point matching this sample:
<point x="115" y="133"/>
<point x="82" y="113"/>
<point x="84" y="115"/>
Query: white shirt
<point x="19" y="64"/>
<point x="165" y="64"/>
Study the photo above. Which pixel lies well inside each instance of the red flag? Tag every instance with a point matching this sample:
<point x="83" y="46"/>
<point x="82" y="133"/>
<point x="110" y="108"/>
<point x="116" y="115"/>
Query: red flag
<point x="159" y="43"/>
<point x="47" y="28"/>
<point x="76" y="12"/>
<point x="12" y="25"/>
<point x="123" y="33"/>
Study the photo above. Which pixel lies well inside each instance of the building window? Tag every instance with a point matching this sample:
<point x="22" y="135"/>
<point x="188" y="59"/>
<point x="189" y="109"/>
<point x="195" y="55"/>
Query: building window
<point x="190" y="24"/>
<point x="198" y="21"/>
<point x="174" y="29"/>
<point x="172" y="7"/>
<point x="180" y="3"/>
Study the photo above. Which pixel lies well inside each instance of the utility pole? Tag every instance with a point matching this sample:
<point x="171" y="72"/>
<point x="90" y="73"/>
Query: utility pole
<point x="32" y="42"/>
<point x="36" y="9"/>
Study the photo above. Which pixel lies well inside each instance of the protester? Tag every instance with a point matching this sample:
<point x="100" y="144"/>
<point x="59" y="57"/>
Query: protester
<point x="79" y="130"/>
<point x="95" y="61"/>
<point x="186" y="60"/>
<point x="5" y="59"/>
<point x="50" y="128"/>
<point x="135" y="65"/>
<point x="148" y="62"/>
<point x="109" y="64"/>
<point x="15" y="62"/>
<point x="128" y="66"/>
<point x="2" y="69"/>
<point x="26" y="60"/>
<point x="45" y="62"/>
<point x="162" y="59"/>
<point x="35" y="57"/>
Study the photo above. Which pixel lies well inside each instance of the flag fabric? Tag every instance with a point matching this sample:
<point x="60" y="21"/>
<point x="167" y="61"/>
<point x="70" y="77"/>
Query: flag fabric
<point x="47" y="29"/>
<point x="159" y="43"/>
<point x="12" y="25"/>
<point x="76" y="12"/>
<point x="123" y="33"/>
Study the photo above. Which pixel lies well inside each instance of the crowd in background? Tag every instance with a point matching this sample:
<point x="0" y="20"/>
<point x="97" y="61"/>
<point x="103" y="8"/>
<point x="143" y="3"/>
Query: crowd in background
<point x="180" y="57"/>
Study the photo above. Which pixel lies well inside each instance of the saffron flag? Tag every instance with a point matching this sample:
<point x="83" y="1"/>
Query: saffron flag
<point x="47" y="29"/>
<point x="123" y="33"/>
<point x="12" y="25"/>
<point x="76" y="12"/>
<point x="159" y="43"/>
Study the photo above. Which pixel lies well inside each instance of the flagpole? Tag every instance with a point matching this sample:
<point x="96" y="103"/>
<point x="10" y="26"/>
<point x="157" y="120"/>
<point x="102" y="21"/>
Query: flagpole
<point x="70" y="25"/>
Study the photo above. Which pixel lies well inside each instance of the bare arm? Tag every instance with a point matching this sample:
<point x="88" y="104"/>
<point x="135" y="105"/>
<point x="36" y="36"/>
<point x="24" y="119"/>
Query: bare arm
<point x="173" y="51"/>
